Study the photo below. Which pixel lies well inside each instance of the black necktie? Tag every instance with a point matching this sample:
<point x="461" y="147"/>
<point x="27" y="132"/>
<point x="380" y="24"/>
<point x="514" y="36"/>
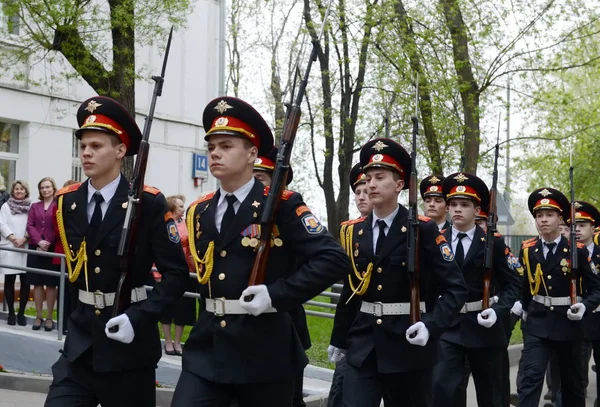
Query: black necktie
<point x="97" y="215"/>
<point x="460" y="250"/>
<point x="381" y="238"/>
<point x="229" y="214"/>
<point x="550" y="253"/>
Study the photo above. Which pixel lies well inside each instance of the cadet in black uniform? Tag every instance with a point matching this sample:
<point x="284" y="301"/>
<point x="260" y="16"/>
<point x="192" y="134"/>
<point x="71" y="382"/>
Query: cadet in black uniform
<point x="384" y="353"/>
<point x="588" y="218"/>
<point x="434" y="205"/>
<point x="249" y="351"/>
<point x="358" y="183"/>
<point x="263" y="171"/>
<point x="96" y="366"/>
<point x="551" y="322"/>
<point x="479" y="334"/>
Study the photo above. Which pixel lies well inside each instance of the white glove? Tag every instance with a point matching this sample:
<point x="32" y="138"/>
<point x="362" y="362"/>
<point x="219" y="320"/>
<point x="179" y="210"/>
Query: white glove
<point x="517" y="309"/>
<point x="422" y="334"/>
<point x="524" y="316"/>
<point x="261" y="301"/>
<point x="335" y="354"/>
<point x="576" y="311"/>
<point x="125" y="333"/>
<point x="490" y="320"/>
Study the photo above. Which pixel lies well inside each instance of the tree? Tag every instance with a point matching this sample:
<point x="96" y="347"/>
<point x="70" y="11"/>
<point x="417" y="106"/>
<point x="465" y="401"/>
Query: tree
<point x="78" y="30"/>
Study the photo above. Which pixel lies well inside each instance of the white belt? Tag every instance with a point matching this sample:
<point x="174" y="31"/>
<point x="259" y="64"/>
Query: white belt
<point x="552" y="301"/>
<point x="102" y="300"/>
<point x="476" y="305"/>
<point x="393" y="308"/>
<point x="221" y="306"/>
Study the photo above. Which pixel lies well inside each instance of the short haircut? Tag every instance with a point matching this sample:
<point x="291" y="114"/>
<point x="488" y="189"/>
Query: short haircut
<point x="172" y="201"/>
<point x="23" y="184"/>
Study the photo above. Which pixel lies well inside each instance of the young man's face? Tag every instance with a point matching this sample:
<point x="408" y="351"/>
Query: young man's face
<point x="585" y="232"/>
<point x="229" y="156"/>
<point x="482" y="223"/>
<point x="99" y="157"/>
<point x="361" y="199"/>
<point x="547" y="221"/>
<point x="435" y="207"/>
<point x="263" y="177"/>
<point x="463" y="212"/>
<point x="382" y="186"/>
<point x="564" y="230"/>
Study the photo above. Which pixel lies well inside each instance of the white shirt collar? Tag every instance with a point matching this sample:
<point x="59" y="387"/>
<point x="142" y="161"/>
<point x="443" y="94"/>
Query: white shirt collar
<point x="388" y="219"/>
<point x="107" y="192"/>
<point x="241" y="193"/>
<point x="470" y="233"/>
<point x="590" y="247"/>
<point x="557" y="240"/>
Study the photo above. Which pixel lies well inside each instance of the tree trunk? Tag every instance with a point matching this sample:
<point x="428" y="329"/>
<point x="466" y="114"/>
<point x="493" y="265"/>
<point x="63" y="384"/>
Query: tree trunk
<point x="469" y="90"/>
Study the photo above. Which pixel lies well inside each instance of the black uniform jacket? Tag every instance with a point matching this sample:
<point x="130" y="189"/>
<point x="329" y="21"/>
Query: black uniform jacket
<point x="442" y="288"/>
<point x="245" y="348"/>
<point x="505" y="284"/>
<point x="552" y="322"/>
<point x="592" y="318"/>
<point x="156" y="243"/>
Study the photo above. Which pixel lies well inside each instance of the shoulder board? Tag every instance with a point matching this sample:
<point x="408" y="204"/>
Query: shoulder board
<point x="151" y="190"/>
<point x="354" y="221"/>
<point x="285" y="195"/>
<point x="528" y="243"/>
<point x="496" y="234"/>
<point x="443" y="231"/>
<point x="203" y="198"/>
<point x="68" y="188"/>
<point x="424" y="218"/>
<point x="580" y="245"/>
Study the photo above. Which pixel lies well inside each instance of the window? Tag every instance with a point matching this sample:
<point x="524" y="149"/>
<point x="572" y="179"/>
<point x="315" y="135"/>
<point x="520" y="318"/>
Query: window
<point x="76" y="169"/>
<point x="9" y="151"/>
<point x="9" y="18"/>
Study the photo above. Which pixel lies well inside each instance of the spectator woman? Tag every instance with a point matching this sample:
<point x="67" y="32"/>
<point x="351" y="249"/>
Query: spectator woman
<point x="183" y="312"/>
<point x="3" y="194"/>
<point x="13" y="224"/>
<point x="42" y="237"/>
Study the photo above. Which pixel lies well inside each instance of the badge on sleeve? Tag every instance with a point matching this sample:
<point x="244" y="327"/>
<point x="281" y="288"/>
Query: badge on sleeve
<point x="312" y="224"/>
<point x="446" y="252"/>
<point x="173" y="232"/>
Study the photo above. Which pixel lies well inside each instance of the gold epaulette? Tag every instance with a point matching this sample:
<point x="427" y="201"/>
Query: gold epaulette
<point x="424" y="218"/>
<point x="529" y="242"/>
<point x="285" y="195"/>
<point x="596" y="236"/>
<point x="68" y="188"/>
<point x="354" y="221"/>
<point x="203" y="198"/>
<point x="151" y="190"/>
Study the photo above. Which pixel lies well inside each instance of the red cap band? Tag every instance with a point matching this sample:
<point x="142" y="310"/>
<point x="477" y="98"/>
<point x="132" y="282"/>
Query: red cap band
<point x="228" y="123"/>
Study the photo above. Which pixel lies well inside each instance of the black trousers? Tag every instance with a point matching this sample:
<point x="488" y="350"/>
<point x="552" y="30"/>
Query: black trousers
<point x="365" y="386"/>
<point x="535" y="357"/>
<point x="195" y="391"/>
<point x="76" y="385"/>
<point x="596" y="353"/>
<point x="486" y="367"/>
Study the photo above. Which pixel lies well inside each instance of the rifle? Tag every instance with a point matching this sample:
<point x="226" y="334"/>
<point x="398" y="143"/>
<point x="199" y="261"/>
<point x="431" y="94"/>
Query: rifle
<point x="134" y="201"/>
<point x="412" y="245"/>
<point x="282" y="166"/>
<point x="574" y="276"/>
<point x="488" y="269"/>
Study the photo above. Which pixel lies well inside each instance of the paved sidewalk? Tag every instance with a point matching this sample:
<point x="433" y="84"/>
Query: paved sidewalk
<point x="12" y="398"/>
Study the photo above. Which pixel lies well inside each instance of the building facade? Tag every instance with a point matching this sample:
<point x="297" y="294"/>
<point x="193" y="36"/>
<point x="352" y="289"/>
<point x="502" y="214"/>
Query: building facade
<point x="37" y="115"/>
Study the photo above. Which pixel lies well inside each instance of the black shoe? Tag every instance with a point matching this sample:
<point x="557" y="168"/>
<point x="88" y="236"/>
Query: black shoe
<point x="36" y="326"/>
<point x="514" y="399"/>
<point x="593" y="368"/>
<point x="169" y="352"/>
<point x="48" y="328"/>
<point x="548" y="395"/>
<point x="21" y="320"/>
<point x="12" y="319"/>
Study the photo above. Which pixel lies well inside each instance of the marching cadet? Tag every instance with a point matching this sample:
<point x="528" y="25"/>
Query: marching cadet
<point x="384" y="353"/>
<point x="477" y="336"/>
<point x="358" y="183"/>
<point x="97" y="366"/>
<point x="263" y="171"/>
<point x="551" y="322"/>
<point x="238" y="349"/>
<point x="588" y="218"/>
<point x="434" y="205"/>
